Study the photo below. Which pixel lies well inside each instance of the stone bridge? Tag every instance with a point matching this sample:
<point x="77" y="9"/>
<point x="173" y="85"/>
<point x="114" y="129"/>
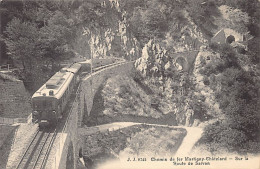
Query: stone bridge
<point x="186" y="59"/>
<point x="65" y="152"/>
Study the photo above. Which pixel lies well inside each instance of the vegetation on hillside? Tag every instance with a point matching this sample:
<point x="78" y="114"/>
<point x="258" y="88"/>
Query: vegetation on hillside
<point x="239" y="102"/>
<point x="146" y="142"/>
<point x="238" y="75"/>
<point x="133" y="141"/>
<point x="151" y="19"/>
<point x="37" y="37"/>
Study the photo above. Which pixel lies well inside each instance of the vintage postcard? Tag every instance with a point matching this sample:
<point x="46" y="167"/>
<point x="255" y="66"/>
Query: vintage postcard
<point x="130" y="84"/>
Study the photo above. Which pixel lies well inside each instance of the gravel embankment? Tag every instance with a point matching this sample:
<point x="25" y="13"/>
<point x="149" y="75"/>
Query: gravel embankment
<point x="22" y="138"/>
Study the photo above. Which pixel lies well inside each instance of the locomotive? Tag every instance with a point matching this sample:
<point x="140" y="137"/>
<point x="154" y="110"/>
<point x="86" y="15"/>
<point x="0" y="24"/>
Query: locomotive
<point x="50" y="100"/>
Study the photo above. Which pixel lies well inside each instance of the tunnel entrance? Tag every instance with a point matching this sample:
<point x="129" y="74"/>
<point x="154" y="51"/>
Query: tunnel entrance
<point x="230" y="39"/>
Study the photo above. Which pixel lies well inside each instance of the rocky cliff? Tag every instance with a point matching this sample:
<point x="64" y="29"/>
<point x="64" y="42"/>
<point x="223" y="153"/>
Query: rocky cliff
<point x="107" y="37"/>
<point x="168" y="69"/>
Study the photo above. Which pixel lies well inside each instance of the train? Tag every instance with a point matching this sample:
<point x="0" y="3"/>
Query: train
<point x="50" y="100"/>
<point x="98" y="62"/>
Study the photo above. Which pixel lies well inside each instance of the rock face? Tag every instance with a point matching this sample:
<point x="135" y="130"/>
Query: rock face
<point x="111" y="40"/>
<point x="155" y="60"/>
<point x="169" y="74"/>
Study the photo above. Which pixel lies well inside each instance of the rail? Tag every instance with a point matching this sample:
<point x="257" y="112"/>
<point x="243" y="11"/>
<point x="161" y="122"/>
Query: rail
<point x="27" y="149"/>
<point x="41" y="149"/>
<point x="38" y="149"/>
<point x="45" y="155"/>
<point x="48" y="151"/>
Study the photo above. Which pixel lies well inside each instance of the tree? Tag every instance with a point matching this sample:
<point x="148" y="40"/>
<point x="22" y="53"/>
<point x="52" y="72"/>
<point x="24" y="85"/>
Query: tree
<point x="21" y="39"/>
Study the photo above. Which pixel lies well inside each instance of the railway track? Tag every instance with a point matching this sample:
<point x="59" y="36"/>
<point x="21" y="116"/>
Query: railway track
<point x="36" y="154"/>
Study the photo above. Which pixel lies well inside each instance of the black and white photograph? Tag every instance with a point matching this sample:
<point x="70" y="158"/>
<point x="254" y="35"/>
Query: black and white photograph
<point x="129" y="84"/>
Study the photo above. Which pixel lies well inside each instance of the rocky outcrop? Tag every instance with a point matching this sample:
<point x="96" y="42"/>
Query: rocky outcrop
<point x="166" y="73"/>
<point x="155" y="60"/>
<point x="111" y="40"/>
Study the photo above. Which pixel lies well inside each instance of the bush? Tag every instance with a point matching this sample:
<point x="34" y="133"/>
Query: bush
<point x="221" y="136"/>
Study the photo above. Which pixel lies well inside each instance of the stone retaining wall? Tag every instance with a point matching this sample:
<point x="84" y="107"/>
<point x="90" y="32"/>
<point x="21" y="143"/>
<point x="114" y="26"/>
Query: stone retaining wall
<point x="15" y="101"/>
<point x="10" y="121"/>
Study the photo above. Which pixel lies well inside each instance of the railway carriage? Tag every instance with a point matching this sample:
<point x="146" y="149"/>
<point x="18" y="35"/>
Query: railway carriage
<point x="98" y="62"/>
<point x="103" y="62"/>
<point x="50" y="100"/>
